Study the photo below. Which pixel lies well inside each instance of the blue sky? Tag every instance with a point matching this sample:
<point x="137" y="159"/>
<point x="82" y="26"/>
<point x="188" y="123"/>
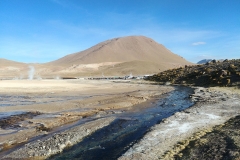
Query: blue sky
<point x="45" y="30"/>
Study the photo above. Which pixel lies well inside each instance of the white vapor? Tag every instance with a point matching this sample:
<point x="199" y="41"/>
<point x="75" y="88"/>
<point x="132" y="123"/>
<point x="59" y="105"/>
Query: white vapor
<point x="31" y="72"/>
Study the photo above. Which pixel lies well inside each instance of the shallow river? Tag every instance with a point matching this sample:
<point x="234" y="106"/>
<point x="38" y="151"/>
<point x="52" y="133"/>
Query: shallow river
<point x="115" y="139"/>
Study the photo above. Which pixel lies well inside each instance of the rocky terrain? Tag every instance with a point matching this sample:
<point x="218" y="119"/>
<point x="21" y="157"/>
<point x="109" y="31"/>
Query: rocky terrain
<point x="11" y="121"/>
<point x="214" y="73"/>
<point x="222" y="143"/>
<point x="173" y="137"/>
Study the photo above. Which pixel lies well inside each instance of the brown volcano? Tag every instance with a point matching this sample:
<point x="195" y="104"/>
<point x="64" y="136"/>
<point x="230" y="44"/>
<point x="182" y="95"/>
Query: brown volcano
<point x="125" y="49"/>
<point x="119" y="56"/>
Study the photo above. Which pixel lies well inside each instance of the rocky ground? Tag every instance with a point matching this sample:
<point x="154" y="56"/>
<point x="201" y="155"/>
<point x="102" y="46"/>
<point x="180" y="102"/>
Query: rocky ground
<point x="222" y="143"/>
<point x="12" y="121"/>
<point x="214" y="73"/>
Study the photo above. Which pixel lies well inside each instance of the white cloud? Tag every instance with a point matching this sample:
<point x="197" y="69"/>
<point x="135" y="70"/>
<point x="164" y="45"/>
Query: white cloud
<point x="198" y="43"/>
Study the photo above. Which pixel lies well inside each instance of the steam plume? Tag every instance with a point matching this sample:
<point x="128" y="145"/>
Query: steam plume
<point x="31" y="72"/>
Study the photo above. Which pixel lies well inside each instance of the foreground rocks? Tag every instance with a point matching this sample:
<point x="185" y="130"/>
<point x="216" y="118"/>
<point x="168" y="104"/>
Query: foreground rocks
<point x="214" y="73"/>
<point x="222" y="143"/>
<point x="173" y="134"/>
<point x="11" y="121"/>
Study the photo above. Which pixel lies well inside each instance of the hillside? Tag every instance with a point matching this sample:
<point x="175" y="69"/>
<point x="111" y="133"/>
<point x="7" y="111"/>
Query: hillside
<point x="125" y="49"/>
<point x="214" y="73"/>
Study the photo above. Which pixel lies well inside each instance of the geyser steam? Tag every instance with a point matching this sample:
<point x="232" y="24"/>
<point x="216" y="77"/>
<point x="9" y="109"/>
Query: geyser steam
<point x="31" y="72"/>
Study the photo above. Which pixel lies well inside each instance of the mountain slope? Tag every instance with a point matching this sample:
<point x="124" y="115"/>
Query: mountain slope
<point x="125" y="49"/>
<point x="137" y="55"/>
<point x="5" y="62"/>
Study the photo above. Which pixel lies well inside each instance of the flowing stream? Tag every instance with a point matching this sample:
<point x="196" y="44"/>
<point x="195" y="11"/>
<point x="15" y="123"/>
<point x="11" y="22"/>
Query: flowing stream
<point x="115" y="139"/>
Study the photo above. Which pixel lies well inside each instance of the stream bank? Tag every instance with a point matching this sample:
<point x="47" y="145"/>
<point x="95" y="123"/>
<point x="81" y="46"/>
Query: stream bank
<point x="213" y="107"/>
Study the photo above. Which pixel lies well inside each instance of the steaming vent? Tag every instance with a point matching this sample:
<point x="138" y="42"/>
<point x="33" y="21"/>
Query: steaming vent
<point x="31" y="72"/>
